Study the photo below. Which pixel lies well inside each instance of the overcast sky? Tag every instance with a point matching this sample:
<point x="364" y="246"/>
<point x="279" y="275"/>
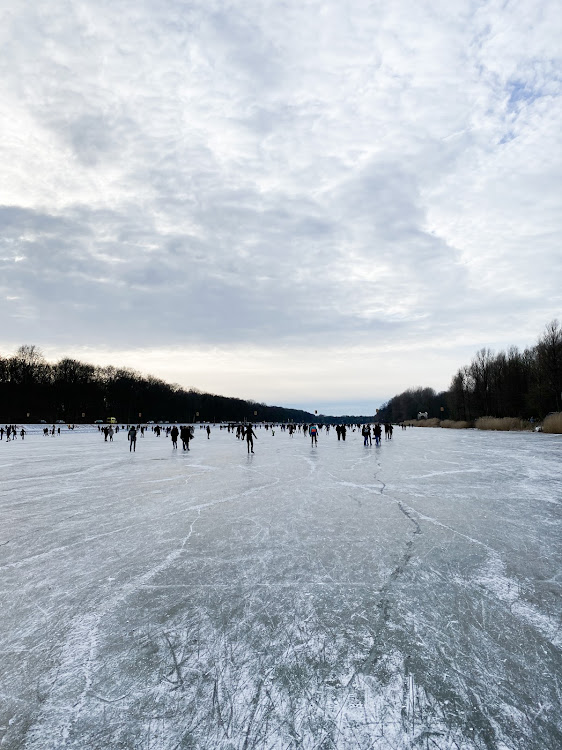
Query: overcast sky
<point x="316" y="204"/>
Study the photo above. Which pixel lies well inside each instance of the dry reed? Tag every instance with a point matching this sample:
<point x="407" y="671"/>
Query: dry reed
<point x="456" y="425"/>
<point x="553" y="423"/>
<point x="433" y="422"/>
<point x="502" y="423"/>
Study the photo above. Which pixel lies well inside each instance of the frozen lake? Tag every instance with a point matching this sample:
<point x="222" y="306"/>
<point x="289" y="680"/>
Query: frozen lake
<point x="338" y="596"/>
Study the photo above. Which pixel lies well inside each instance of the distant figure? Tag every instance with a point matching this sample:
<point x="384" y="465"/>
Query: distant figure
<point x="174" y="432"/>
<point x="366" y="432"/>
<point x="313" y="430"/>
<point x="186" y="434"/>
<point x="132" y="435"/>
<point x="208" y="432"/>
<point x="250" y="434"/>
<point x="378" y="433"/>
<point x="22" y="433"/>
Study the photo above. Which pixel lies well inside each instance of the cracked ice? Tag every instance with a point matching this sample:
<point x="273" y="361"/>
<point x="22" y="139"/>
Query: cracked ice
<point x="337" y="596"/>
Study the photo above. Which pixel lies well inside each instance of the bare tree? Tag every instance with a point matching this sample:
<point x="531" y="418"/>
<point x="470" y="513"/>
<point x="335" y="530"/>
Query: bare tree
<point x="549" y="362"/>
<point x="30" y="355"/>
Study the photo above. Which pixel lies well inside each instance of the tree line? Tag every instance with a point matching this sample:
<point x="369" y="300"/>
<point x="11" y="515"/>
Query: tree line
<point x="512" y="383"/>
<point x="508" y="384"/>
<point x="32" y="389"/>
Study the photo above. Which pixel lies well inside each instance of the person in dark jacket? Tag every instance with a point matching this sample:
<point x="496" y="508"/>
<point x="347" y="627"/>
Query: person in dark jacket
<point x="250" y="435"/>
<point x="132" y="435"/>
<point x="186" y="434"/>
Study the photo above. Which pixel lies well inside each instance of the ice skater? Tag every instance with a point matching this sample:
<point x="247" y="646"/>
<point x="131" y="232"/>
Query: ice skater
<point x="174" y="432"/>
<point x="132" y="435"/>
<point x="186" y="434"/>
<point x="250" y="435"/>
<point x="313" y="430"/>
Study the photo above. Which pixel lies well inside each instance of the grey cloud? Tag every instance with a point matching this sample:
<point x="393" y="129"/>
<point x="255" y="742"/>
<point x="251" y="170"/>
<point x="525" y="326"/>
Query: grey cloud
<point x="270" y="175"/>
<point x="16" y="220"/>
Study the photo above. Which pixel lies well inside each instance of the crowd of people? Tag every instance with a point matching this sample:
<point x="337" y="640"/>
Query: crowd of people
<point x="11" y="431"/>
<point x="244" y="432"/>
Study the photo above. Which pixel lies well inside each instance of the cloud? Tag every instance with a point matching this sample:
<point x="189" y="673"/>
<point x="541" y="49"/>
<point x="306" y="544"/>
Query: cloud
<point x="288" y="177"/>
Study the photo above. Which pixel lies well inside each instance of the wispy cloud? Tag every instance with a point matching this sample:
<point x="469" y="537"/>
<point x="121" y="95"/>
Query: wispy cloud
<point x="282" y="178"/>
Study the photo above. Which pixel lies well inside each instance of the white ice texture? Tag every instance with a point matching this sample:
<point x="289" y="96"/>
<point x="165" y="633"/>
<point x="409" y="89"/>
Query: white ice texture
<point x="329" y="596"/>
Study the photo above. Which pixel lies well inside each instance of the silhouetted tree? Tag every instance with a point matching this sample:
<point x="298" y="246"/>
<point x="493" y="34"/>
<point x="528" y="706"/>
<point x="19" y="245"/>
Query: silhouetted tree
<point x="549" y="366"/>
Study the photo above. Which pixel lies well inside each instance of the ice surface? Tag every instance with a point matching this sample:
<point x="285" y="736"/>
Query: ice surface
<point x="338" y="596"/>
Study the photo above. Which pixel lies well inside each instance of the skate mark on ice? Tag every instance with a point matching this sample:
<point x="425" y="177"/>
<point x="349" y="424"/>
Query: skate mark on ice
<point x="95" y="537"/>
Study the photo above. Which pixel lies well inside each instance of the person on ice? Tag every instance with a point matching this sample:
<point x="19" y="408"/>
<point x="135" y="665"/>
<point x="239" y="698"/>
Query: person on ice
<point x="366" y="432"/>
<point x="313" y="430"/>
<point x="186" y="434"/>
<point x="132" y="435"/>
<point x="208" y="432"/>
<point x="174" y="432"/>
<point x="250" y="435"/>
